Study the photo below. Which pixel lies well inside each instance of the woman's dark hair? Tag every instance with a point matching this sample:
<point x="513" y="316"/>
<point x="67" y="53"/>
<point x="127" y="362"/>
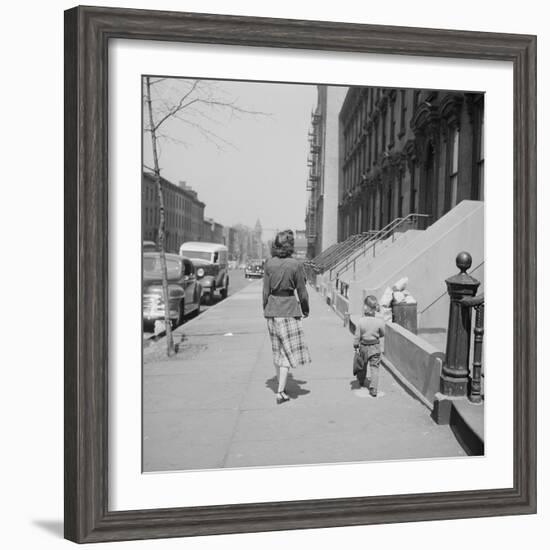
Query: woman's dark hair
<point x="283" y="245"/>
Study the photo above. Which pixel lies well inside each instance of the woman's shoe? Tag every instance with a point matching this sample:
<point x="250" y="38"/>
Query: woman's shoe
<point x="282" y="397"/>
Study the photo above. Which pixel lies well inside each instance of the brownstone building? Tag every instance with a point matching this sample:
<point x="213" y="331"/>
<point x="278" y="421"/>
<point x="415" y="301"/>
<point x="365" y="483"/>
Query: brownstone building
<point x="407" y="151"/>
<point x="184" y="212"/>
<point x="212" y="232"/>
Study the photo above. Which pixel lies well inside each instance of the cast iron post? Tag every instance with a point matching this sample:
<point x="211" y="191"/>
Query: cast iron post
<point x="455" y="371"/>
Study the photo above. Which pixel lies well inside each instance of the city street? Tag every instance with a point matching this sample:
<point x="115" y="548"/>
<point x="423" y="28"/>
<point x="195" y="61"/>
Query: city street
<point x="237" y="281"/>
<point x="213" y="404"/>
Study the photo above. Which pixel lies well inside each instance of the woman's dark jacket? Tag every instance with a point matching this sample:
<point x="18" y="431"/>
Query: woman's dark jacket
<point x="282" y="277"/>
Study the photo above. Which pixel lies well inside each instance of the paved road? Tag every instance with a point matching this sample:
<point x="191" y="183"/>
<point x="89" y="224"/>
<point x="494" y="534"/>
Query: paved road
<point x="213" y="404"/>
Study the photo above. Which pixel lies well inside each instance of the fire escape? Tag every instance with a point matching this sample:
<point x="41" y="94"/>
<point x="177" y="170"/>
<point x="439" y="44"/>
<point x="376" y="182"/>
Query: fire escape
<point x="312" y="185"/>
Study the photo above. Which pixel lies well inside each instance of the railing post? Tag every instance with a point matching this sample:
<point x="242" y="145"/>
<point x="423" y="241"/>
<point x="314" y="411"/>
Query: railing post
<point x="475" y="390"/>
<point x="454" y="375"/>
<point x="455" y="371"/>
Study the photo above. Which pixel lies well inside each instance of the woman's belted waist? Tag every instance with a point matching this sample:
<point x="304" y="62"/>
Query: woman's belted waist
<point x="369" y="342"/>
<point x="286" y="292"/>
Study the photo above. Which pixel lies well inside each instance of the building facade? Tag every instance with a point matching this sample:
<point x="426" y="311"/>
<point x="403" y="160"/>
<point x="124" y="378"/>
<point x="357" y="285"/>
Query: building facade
<point x="230" y="240"/>
<point x="247" y="243"/>
<point x="212" y="232"/>
<point x="324" y="168"/>
<point x="300" y="244"/>
<point x="184" y="212"/>
<point x="407" y="151"/>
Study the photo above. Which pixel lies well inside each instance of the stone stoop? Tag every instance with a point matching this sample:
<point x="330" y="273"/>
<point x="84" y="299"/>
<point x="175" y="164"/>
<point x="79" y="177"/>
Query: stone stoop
<point x="468" y="424"/>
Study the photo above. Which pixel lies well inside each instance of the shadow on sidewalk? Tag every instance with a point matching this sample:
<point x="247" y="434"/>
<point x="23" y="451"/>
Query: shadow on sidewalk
<point x="293" y="386"/>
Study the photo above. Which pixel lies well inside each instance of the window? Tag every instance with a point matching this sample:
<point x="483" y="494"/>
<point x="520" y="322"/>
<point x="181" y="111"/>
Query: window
<point x="453" y="165"/>
<point x="400" y="195"/>
<point x="392" y="123"/>
<point x="384" y="131"/>
<point x="414" y="191"/>
<point x="480" y="157"/>
<point x="403" y="112"/>
<point x="369" y="145"/>
<point x="376" y="141"/>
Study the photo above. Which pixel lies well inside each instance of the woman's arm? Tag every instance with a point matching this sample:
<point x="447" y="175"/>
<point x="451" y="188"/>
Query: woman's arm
<point x="302" y="290"/>
<point x="266" y="286"/>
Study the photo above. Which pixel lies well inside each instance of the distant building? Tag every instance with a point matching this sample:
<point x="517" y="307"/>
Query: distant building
<point x="258" y="244"/>
<point x="324" y="170"/>
<point x="184" y="212"/>
<point x="247" y="244"/>
<point x="212" y="232"/>
<point x="300" y="244"/>
<point x="407" y="151"/>
<point x="230" y="240"/>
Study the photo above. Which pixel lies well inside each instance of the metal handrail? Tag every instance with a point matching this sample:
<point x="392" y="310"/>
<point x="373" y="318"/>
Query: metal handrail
<point x="317" y="262"/>
<point x="382" y="234"/>
<point x="329" y="256"/>
<point x="321" y="258"/>
<point x="355" y="242"/>
<point x="375" y="235"/>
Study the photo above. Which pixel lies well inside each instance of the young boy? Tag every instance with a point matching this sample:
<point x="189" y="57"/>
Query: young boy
<point x="368" y="331"/>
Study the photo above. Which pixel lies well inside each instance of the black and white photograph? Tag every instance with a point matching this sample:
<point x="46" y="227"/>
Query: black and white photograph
<point x="249" y="246"/>
<point x="312" y="273"/>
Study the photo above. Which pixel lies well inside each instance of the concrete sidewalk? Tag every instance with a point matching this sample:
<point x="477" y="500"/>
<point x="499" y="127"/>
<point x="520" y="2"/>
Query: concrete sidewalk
<point x="213" y="405"/>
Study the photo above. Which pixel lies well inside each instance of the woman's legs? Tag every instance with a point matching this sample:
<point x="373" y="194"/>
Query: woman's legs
<point x="282" y="376"/>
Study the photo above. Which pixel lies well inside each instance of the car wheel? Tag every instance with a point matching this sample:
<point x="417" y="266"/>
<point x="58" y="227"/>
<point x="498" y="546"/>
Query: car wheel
<point x="181" y="315"/>
<point x="225" y="289"/>
<point x="198" y="310"/>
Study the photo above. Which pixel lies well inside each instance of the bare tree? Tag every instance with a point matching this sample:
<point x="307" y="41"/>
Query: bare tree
<point x="201" y="106"/>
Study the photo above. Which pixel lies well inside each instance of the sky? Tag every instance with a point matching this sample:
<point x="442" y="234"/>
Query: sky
<point x="258" y="169"/>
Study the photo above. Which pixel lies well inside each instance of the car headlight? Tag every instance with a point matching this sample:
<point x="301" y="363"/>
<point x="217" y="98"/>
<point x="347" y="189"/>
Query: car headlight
<point x="200" y="272"/>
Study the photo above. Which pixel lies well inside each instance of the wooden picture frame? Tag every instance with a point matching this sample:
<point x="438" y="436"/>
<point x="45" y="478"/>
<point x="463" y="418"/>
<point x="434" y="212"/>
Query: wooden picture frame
<point x="87" y="34"/>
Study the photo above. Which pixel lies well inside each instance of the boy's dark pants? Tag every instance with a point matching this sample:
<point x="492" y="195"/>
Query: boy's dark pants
<point x="367" y="355"/>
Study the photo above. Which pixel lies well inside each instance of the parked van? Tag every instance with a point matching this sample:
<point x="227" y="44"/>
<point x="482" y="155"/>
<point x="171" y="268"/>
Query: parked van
<point x="211" y="266"/>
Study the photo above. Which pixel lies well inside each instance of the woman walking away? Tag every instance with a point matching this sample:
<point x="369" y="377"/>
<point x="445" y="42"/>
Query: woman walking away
<point x="285" y="302"/>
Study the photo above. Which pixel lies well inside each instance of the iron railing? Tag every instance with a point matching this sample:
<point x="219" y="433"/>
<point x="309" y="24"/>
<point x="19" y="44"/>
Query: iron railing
<point x="328" y="257"/>
<point x="478" y="304"/>
<point x="397" y="225"/>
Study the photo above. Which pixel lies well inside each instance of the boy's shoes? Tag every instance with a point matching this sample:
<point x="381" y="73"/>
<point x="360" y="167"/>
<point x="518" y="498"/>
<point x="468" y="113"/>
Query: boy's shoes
<point x="373" y="392"/>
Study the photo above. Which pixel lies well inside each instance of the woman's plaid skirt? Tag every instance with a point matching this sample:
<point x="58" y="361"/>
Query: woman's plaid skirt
<point x="287" y="342"/>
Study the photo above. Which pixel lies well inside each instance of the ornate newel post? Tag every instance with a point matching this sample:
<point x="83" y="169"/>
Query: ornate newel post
<point x="455" y="371"/>
<point x="454" y="375"/>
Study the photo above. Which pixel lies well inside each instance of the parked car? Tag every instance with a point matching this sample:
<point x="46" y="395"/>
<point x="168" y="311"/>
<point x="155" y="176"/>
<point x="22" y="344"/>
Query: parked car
<point x="149" y="246"/>
<point x="184" y="290"/>
<point x="254" y="269"/>
<point x="212" y="267"/>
